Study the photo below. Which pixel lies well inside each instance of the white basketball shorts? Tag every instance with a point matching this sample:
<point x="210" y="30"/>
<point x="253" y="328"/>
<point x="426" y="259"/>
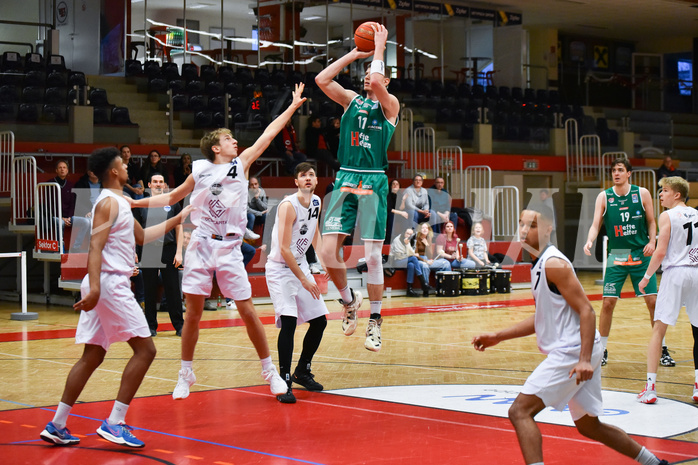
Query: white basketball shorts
<point x="289" y="296"/>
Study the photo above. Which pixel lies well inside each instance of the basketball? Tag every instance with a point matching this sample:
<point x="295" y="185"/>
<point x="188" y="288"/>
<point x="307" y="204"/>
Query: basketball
<point x="363" y="37"/>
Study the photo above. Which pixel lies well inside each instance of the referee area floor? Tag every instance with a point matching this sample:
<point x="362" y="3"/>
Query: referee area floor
<point x="427" y="397"/>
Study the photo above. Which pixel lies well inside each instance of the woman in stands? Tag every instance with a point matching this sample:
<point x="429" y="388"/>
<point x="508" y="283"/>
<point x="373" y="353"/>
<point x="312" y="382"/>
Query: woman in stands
<point x="395" y="214"/>
<point x="402" y="255"/>
<point x="134" y="187"/>
<point x="154" y="165"/>
<point x="425" y="250"/>
<point x="182" y="170"/>
<point x="447" y="246"/>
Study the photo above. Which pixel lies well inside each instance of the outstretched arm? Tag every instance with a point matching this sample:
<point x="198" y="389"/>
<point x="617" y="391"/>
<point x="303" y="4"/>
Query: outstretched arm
<point x="167" y="198"/>
<point x="149" y="234"/>
<point x="660" y="252"/>
<point x="249" y="155"/>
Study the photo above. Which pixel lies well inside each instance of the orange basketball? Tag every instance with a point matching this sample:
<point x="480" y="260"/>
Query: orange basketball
<point x="363" y="37"/>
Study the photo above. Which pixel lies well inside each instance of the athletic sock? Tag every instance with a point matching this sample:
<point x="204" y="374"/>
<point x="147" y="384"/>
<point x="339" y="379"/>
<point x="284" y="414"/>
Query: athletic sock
<point x="604" y="341"/>
<point x="664" y="342"/>
<point x="651" y="378"/>
<point x="266" y="363"/>
<point x="376" y="309"/>
<point x="61" y="416"/>
<point x="346" y="295"/>
<point x="118" y="413"/>
<point x="187" y="364"/>
<point x="646" y="457"/>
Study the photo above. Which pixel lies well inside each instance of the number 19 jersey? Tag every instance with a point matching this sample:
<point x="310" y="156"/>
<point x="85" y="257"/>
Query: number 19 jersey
<point x="626" y="221"/>
<point x="683" y="243"/>
<point x="219" y="197"/>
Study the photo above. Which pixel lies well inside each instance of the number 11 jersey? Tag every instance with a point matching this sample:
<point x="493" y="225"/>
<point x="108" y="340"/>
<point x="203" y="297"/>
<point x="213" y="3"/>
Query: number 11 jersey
<point x="683" y="243"/>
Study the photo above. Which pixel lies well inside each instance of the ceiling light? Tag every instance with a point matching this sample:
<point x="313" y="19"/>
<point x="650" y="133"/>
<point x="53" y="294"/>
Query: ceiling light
<point x="313" y="18"/>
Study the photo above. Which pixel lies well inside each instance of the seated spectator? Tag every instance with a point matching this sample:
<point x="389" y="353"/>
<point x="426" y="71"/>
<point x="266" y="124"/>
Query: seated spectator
<point x="183" y="170"/>
<point x="397" y="223"/>
<point x="257" y="204"/>
<point x="417" y="202"/>
<point x="402" y="255"/>
<point x="440" y="205"/>
<point x="668" y="169"/>
<point x="153" y="165"/>
<point x="425" y="250"/>
<point x="286" y="144"/>
<point x="80" y="226"/>
<point x="448" y="246"/>
<point x="134" y="187"/>
<point x="316" y="146"/>
<point x="477" y="248"/>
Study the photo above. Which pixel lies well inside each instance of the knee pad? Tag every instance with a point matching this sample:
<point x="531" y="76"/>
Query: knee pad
<point x="374" y="262"/>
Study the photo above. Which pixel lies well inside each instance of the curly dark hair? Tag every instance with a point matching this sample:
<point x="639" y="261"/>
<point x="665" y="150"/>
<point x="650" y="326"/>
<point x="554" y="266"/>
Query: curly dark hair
<point x="101" y="160"/>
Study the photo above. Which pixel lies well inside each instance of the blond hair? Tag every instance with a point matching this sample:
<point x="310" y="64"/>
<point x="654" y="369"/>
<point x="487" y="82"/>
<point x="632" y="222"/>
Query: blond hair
<point x="211" y="139"/>
<point x="676" y="184"/>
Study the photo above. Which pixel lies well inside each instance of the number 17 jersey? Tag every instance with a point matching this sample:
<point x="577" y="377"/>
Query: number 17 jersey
<point x="219" y="197"/>
<point x="683" y="243"/>
<point x="364" y="135"/>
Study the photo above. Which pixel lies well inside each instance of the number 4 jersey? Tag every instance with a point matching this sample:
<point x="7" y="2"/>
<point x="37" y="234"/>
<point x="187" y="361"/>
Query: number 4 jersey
<point x="626" y="223"/>
<point x="683" y="244"/>
<point x="304" y="228"/>
<point x="219" y="197"/>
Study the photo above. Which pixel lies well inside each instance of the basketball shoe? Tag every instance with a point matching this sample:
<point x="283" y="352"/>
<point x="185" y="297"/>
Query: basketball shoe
<point x="648" y="395"/>
<point x="666" y="359"/>
<point x="119" y="434"/>
<point x="59" y="436"/>
<point x="349" y="319"/>
<point x="185" y="381"/>
<point x="277" y="384"/>
<point x="373" y="335"/>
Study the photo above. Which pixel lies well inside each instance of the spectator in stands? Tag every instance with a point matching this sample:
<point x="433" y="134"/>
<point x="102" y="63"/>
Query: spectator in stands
<point x="80" y="226"/>
<point x="396" y="216"/>
<point x="424" y="246"/>
<point x="163" y="256"/>
<point x="182" y="170"/>
<point x="286" y="144"/>
<point x="332" y="135"/>
<point x="477" y="248"/>
<point x="316" y="146"/>
<point x="257" y="207"/>
<point x="448" y="246"/>
<point x="417" y="201"/>
<point x="667" y="169"/>
<point x="440" y="205"/>
<point x="134" y="187"/>
<point x="153" y="165"/>
<point x="402" y="255"/>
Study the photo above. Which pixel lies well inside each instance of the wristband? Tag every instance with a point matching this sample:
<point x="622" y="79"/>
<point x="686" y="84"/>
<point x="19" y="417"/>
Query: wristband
<point x="647" y="277"/>
<point x="377" y="66"/>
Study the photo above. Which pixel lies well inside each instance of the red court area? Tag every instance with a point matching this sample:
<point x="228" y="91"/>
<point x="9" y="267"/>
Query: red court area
<point x="249" y="426"/>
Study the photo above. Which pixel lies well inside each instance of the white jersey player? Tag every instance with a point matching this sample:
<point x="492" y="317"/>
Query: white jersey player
<point x="677" y="252"/>
<point x="292" y="288"/>
<point x="219" y="194"/>
<point x="565" y="326"/>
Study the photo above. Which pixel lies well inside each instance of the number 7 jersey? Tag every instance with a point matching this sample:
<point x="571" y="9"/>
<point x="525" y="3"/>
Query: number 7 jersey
<point x="219" y="197"/>
<point x="683" y="243"/>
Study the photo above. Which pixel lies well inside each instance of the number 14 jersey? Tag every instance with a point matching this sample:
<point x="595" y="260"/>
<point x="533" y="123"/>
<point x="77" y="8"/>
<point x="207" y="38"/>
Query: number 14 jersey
<point x="304" y="228"/>
<point x="683" y="243"/>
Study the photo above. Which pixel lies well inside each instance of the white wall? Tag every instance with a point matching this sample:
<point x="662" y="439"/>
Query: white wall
<point x="16" y="10"/>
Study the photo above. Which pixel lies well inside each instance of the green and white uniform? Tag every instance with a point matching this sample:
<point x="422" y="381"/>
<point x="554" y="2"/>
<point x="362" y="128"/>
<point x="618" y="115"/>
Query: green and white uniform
<point x="626" y="225"/>
<point x="361" y="183"/>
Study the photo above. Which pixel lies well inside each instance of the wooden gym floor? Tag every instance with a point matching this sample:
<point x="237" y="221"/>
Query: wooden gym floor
<point x="382" y="407"/>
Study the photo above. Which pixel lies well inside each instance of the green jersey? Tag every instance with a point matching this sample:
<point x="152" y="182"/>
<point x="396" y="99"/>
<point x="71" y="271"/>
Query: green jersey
<point x="626" y="222"/>
<point x="364" y="136"/>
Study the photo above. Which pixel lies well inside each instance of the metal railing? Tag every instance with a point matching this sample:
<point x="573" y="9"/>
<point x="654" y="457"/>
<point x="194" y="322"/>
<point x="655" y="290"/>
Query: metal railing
<point x="478" y="188"/>
<point x="406" y="122"/>
<point x="23" y="179"/>
<point x="423" y="157"/>
<point x="449" y="165"/>
<point x="48" y="211"/>
<point x="505" y="221"/>
<point x="582" y="155"/>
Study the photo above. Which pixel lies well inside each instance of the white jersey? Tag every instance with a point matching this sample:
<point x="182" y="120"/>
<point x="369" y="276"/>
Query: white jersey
<point x="119" y="253"/>
<point x="219" y="197"/>
<point x="683" y="242"/>
<point x="557" y="324"/>
<point x="304" y="228"/>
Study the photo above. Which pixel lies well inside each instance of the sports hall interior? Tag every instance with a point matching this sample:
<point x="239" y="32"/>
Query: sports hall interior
<point x="503" y="99"/>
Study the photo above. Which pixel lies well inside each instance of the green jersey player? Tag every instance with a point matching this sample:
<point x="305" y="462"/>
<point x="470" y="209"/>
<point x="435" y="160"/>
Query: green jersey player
<point x="361" y="185"/>
<point x="628" y="214"/>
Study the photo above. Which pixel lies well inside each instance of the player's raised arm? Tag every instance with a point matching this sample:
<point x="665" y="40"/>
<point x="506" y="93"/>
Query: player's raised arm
<point x="378" y="79"/>
<point x="249" y="155"/>
<point x="167" y="198"/>
<point x="331" y="88"/>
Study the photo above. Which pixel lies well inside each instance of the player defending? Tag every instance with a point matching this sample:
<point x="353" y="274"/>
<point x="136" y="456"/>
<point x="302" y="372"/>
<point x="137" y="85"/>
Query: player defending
<point x="677" y="250"/>
<point x="628" y="214"/>
<point x="565" y="327"/>
<point x="219" y="196"/>
<point x="108" y="309"/>
<point x="366" y="129"/>
<point x="292" y="288"/>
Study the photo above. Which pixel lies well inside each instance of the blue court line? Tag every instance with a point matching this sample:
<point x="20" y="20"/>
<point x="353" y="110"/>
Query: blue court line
<point x="227" y="446"/>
